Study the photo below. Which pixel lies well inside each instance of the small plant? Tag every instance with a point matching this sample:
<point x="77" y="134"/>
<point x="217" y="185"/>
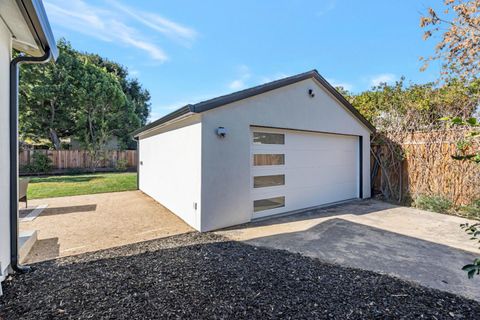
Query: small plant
<point x="433" y="203"/>
<point x="473" y="230"/>
<point x="40" y="163"/>
<point x="472" y="210"/>
<point x="468" y="147"/>
<point x="121" y="165"/>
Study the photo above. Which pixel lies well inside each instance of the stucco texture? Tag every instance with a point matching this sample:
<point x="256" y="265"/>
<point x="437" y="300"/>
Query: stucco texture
<point x="226" y="196"/>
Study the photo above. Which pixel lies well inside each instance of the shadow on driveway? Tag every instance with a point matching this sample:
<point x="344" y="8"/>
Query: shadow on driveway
<point x="69" y="209"/>
<point x="360" y="246"/>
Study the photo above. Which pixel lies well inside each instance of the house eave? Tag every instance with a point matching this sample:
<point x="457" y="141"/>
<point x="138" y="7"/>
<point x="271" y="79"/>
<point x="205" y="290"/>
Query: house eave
<point x="36" y="18"/>
<point x="174" y="118"/>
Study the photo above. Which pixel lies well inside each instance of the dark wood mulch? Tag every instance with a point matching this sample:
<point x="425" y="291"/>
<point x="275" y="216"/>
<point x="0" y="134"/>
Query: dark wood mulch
<point x="197" y="276"/>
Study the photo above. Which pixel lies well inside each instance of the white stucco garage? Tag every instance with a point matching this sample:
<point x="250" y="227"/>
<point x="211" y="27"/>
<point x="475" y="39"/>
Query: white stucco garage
<point x="290" y="144"/>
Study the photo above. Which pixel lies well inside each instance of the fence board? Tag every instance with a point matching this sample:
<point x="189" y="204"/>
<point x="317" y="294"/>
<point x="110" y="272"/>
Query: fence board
<point x="79" y="159"/>
<point x="428" y="168"/>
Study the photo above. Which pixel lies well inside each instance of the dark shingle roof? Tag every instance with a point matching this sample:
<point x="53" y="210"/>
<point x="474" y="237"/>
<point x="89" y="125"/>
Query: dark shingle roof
<point x="247" y="93"/>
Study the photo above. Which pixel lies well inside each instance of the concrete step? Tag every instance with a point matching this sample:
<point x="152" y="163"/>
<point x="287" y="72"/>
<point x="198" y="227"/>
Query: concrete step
<point x="25" y="242"/>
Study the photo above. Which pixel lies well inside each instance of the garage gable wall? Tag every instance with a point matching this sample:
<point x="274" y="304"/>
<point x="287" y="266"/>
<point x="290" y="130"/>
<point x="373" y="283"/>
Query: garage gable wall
<point x="170" y="168"/>
<point x="226" y="198"/>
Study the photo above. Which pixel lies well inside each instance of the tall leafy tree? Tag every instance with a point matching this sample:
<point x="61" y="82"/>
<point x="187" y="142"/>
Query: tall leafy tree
<point x="50" y="96"/>
<point x="138" y="96"/>
<point x="459" y="29"/>
<point x="101" y="109"/>
<point x="48" y="93"/>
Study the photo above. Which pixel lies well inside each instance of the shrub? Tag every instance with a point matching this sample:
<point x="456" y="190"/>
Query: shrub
<point x="472" y="210"/>
<point x="121" y="165"/>
<point x="433" y="203"/>
<point x="74" y="171"/>
<point x="40" y="163"/>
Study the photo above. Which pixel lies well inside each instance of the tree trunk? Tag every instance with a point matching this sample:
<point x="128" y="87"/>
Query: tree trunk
<point x="54" y="139"/>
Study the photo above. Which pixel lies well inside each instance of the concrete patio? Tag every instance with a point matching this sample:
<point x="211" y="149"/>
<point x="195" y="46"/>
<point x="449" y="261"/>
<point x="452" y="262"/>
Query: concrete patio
<point x="79" y="224"/>
<point x="415" y="245"/>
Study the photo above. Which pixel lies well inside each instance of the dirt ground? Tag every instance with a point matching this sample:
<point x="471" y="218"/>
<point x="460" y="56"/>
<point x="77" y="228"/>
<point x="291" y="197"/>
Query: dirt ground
<point x="79" y="224"/>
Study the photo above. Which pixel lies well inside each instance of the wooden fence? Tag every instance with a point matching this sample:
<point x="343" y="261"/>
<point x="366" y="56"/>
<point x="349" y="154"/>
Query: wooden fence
<point x="424" y="166"/>
<point x="79" y="159"/>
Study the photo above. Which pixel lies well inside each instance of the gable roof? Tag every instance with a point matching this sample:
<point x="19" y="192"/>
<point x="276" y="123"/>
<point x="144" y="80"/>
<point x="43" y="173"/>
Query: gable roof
<point x="247" y="93"/>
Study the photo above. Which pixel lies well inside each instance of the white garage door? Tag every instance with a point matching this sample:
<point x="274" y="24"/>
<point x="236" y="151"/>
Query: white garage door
<point x="293" y="170"/>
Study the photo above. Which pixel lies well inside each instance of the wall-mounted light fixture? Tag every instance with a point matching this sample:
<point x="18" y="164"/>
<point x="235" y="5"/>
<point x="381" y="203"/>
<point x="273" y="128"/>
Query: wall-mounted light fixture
<point x="221" y="132"/>
<point x="311" y="93"/>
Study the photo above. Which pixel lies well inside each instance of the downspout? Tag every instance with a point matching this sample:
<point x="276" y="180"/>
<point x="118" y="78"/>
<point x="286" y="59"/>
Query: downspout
<point x="14" y="232"/>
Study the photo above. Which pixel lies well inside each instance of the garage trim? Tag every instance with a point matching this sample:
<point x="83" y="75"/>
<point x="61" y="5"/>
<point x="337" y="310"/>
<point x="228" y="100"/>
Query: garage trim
<point x="302" y="130"/>
<point x="360" y="168"/>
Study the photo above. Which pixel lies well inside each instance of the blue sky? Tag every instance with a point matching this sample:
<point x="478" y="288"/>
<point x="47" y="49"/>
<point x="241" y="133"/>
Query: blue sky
<point x="188" y="51"/>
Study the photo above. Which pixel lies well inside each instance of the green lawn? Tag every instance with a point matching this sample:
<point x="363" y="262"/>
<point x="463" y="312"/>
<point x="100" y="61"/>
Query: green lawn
<point x="61" y="186"/>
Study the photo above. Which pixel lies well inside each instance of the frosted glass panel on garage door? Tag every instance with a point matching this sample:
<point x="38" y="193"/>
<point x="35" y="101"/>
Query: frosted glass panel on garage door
<point x="319" y="169"/>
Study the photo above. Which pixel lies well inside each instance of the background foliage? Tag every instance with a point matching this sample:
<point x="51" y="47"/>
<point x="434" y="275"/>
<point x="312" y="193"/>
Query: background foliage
<point x="81" y="96"/>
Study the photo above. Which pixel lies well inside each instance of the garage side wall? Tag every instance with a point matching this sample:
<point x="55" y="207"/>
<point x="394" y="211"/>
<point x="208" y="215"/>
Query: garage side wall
<point x="170" y="168"/>
<point x="226" y="195"/>
<point x="5" y="55"/>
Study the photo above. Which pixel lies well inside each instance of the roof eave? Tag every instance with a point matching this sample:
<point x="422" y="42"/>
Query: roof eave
<point x="169" y="117"/>
<point x="36" y="18"/>
<point x="247" y="93"/>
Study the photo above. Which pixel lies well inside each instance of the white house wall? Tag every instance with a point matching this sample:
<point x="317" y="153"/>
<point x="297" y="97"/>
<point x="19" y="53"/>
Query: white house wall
<point x="170" y="168"/>
<point x="5" y="55"/>
<point x="226" y="198"/>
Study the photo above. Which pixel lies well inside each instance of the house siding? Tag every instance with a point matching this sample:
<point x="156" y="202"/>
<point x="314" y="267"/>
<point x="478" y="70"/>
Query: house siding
<point x="5" y="56"/>
<point x="226" y="191"/>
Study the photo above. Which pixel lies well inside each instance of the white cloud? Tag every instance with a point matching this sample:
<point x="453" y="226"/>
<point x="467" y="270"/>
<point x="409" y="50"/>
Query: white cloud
<point x="329" y="6"/>
<point x="246" y="78"/>
<point x="344" y="85"/>
<point x="276" y="76"/>
<point x="237" y="84"/>
<point x="159" y="23"/>
<point x="114" y="24"/>
<point x="129" y="36"/>
<point x="133" y="72"/>
<point x="244" y="75"/>
<point x="382" y="78"/>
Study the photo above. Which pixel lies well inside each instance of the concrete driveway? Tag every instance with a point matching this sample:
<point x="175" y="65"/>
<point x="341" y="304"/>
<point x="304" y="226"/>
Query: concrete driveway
<point x="78" y="224"/>
<point x="414" y="245"/>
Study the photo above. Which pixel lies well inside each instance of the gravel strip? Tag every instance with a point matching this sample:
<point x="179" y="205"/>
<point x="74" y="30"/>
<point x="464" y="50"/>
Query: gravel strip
<point x="197" y="276"/>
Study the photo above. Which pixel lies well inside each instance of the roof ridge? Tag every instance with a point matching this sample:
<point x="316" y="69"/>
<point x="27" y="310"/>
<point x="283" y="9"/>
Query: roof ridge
<point x="303" y="74"/>
<point x="253" y="91"/>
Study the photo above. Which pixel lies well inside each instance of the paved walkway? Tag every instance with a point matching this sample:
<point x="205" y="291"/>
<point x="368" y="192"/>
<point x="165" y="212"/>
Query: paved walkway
<point x="78" y="224"/>
<point x="415" y="245"/>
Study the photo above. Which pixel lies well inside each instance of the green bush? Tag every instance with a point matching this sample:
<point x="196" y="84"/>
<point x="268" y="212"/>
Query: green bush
<point x="40" y="163"/>
<point x="74" y="171"/>
<point x="433" y="203"/>
<point x="472" y="210"/>
<point x="121" y="165"/>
